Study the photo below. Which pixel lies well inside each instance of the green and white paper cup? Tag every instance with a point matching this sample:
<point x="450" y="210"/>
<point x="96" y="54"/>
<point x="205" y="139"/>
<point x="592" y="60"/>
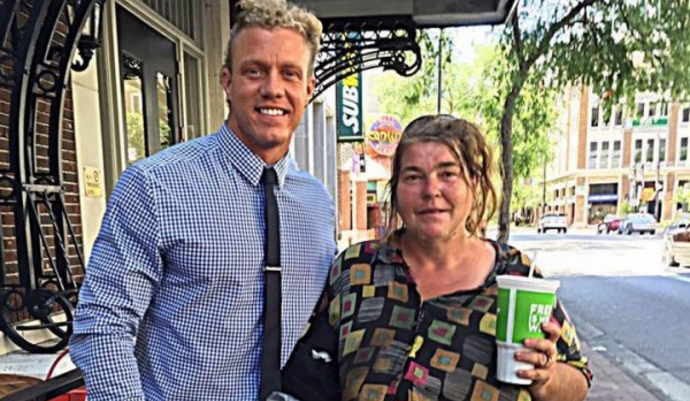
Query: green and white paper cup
<point x="523" y="305"/>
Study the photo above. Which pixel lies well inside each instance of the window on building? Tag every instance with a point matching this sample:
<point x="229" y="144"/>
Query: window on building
<point x="594" y="122"/>
<point x="638" y="151"/>
<point x="618" y="120"/>
<point x="663" y="109"/>
<point x="607" y="119"/>
<point x="604" y="155"/>
<point x="592" y="155"/>
<point x="616" y="156"/>
<point x="686" y="114"/>
<point x="640" y="110"/>
<point x="683" y="154"/>
<point x="662" y="150"/>
<point x="649" y="153"/>
<point x="652" y="110"/>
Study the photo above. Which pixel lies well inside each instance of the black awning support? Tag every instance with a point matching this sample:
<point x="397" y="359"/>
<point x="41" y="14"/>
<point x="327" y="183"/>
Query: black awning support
<point x="357" y="44"/>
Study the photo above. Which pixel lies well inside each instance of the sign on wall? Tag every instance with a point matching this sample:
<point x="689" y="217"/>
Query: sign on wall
<point x="348" y="103"/>
<point x="383" y="134"/>
<point x="93" y="182"/>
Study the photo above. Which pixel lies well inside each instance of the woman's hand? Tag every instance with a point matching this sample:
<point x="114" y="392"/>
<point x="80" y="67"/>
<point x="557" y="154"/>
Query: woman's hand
<point x="542" y="354"/>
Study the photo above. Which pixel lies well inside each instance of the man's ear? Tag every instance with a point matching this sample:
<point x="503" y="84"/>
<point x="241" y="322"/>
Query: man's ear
<point x="226" y="80"/>
<point x="311" y="84"/>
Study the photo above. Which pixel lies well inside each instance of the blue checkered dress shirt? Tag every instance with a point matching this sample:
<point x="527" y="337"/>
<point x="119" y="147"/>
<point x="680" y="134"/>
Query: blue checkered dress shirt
<point x="178" y="266"/>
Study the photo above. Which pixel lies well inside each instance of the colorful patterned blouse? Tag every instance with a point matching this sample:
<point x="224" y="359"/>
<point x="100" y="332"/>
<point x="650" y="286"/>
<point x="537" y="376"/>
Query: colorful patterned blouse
<point x="393" y="346"/>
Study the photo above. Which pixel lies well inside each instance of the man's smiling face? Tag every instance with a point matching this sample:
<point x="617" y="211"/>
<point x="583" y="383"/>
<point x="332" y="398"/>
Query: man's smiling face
<point x="268" y="88"/>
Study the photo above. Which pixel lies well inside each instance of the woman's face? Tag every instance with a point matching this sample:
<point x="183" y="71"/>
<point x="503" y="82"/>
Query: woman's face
<point x="433" y="198"/>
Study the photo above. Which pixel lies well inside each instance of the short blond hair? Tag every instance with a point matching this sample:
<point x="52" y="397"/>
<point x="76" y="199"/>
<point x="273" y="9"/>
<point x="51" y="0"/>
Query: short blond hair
<point x="273" y="14"/>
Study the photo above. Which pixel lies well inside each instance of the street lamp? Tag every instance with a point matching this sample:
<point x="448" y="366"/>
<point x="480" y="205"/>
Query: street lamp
<point x="90" y="38"/>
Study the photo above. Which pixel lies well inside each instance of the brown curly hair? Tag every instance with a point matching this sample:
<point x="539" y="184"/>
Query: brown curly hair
<point x="470" y="149"/>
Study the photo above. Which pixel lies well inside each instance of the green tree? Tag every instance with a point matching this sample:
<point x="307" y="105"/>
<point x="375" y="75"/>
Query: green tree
<point x="616" y="47"/>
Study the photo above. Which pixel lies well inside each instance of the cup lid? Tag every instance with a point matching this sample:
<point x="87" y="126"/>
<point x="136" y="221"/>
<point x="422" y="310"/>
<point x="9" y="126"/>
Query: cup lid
<point x="528" y="283"/>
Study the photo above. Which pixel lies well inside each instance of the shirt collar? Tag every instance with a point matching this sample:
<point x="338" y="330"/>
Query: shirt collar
<point x="250" y="165"/>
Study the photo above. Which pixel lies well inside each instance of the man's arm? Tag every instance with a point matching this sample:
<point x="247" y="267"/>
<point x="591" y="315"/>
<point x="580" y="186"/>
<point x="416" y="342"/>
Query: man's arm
<point x="124" y="269"/>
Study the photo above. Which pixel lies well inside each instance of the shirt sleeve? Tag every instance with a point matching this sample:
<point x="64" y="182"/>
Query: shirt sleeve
<point x="123" y="272"/>
<point x="568" y="345"/>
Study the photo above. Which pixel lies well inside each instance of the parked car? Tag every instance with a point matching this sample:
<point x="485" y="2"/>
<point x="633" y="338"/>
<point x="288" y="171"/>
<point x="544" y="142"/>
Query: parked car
<point x="638" y="223"/>
<point x="552" y="222"/>
<point x="610" y="223"/>
<point x="676" y="242"/>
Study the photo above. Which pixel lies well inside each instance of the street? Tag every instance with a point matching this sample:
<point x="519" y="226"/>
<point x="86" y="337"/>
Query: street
<point x="625" y="303"/>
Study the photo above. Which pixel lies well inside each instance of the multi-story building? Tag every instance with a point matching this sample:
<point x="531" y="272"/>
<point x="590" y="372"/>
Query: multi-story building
<point x="633" y="158"/>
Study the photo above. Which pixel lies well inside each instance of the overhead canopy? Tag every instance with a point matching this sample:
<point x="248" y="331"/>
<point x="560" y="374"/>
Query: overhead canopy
<point x="425" y="13"/>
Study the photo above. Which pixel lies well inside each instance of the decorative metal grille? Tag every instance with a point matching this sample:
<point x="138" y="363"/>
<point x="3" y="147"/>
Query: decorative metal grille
<point x="353" y="45"/>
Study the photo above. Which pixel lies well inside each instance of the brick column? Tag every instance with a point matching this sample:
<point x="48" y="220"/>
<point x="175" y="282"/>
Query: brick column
<point x="361" y="207"/>
<point x="583" y="127"/>
<point x="344" y="201"/>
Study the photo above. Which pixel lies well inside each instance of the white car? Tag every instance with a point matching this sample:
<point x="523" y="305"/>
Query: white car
<point x="638" y="223"/>
<point x="552" y="222"/>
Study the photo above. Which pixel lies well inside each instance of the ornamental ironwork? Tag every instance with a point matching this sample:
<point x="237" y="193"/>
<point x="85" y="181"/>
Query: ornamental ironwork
<point x="353" y="45"/>
<point x="38" y="41"/>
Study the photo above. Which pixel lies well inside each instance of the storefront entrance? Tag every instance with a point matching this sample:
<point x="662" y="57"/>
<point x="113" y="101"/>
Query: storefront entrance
<point x="148" y="77"/>
<point x="602" y="200"/>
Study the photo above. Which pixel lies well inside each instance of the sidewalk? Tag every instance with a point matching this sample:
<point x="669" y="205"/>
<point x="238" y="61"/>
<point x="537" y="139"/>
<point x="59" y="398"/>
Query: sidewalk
<point x="611" y="383"/>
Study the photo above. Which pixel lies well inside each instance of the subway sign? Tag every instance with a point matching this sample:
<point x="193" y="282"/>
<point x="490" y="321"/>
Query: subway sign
<point x="348" y="107"/>
<point x="348" y="104"/>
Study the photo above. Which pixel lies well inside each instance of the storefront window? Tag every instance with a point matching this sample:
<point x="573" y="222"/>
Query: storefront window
<point x="192" y="97"/>
<point x="602" y="200"/>
<point x="134" y="112"/>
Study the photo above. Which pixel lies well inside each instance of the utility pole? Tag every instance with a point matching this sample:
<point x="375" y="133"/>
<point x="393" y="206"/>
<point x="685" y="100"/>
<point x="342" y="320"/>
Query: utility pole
<point x="657" y="189"/>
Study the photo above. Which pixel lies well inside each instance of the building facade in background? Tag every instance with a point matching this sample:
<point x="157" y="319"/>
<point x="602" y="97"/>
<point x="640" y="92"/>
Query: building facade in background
<point x="633" y="159"/>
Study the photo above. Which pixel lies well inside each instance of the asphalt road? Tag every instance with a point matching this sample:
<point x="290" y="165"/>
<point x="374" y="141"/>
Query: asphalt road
<point x="625" y="303"/>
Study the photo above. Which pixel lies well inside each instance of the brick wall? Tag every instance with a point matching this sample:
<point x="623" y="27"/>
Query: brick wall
<point x="344" y="201"/>
<point x="70" y="183"/>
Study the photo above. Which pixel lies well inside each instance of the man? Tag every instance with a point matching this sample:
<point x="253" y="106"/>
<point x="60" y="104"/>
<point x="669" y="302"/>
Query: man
<point x="178" y="266"/>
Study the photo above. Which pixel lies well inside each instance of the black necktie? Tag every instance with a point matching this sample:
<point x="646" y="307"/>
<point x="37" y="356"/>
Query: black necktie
<point x="270" y="359"/>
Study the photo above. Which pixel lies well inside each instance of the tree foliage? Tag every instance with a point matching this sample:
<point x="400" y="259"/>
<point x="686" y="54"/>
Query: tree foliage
<point x="616" y="47"/>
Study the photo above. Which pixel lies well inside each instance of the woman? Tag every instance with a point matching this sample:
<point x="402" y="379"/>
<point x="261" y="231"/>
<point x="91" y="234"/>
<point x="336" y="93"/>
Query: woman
<point x="412" y="317"/>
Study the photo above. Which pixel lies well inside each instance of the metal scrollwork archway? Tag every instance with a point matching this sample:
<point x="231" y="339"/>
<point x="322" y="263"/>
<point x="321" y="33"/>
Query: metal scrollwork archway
<point x="38" y="42"/>
<point x="353" y="45"/>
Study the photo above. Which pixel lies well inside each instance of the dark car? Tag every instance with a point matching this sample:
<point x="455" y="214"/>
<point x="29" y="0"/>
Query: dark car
<point x="610" y="223"/>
